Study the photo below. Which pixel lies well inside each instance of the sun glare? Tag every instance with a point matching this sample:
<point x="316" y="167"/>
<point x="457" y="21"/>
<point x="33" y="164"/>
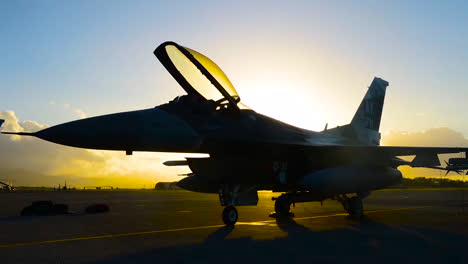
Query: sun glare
<point x="288" y="100"/>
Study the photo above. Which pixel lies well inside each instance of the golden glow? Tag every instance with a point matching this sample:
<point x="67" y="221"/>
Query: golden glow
<point x="285" y="100"/>
<point x="293" y="84"/>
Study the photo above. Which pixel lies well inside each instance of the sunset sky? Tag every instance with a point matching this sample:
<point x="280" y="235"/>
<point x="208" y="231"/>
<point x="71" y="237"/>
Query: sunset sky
<point x="307" y="63"/>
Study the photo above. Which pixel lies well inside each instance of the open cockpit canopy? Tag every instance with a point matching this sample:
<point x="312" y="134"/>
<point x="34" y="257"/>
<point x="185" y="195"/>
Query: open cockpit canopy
<point x="197" y="74"/>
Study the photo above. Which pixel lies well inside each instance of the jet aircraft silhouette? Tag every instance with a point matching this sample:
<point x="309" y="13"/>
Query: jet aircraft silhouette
<point x="249" y="151"/>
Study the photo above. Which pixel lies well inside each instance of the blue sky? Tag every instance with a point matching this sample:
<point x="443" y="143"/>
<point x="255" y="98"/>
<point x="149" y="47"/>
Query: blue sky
<point x="96" y="56"/>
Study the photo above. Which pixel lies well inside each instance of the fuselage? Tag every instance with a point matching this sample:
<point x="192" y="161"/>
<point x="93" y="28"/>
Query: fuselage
<point x="234" y="140"/>
<point x="181" y="127"/>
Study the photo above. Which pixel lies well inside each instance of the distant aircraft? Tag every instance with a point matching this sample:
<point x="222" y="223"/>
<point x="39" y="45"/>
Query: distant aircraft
<point x="249" y="151"/>
<point x="457" y="165"/>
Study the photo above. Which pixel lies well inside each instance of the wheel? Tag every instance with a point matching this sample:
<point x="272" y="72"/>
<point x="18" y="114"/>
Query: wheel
<point x="282" y="206"/>
<point x="230" y="215"/>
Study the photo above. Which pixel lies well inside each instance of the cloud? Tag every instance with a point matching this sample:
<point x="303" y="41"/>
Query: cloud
<point x="434" y="137"/>
<point x="80" y="113"/>
<point x="34" y="154"/>
<point x="40" y="157"/>
<point x="11" y="121"/>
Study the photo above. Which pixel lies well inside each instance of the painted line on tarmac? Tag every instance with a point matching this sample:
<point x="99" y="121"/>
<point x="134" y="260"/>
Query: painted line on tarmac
<point x="192" y="228"/>
<point x="110" y="236"/>
<point x="332" y="215"/>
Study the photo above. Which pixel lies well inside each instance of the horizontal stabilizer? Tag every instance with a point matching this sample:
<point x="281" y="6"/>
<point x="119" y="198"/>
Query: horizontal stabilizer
<point x="20" y="133"/>
<point x="175" y="163"/>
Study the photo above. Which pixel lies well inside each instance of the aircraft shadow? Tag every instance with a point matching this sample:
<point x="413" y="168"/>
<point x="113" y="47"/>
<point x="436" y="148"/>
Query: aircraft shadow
<point x="363" y="240"/>
<point x="219" y="235"/>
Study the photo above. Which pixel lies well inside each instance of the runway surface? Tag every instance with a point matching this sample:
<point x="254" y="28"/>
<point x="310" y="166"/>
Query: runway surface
<point x="180" y="227"/>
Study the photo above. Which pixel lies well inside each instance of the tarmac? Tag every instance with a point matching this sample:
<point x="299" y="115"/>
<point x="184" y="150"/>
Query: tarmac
<point x="421" y="225"/>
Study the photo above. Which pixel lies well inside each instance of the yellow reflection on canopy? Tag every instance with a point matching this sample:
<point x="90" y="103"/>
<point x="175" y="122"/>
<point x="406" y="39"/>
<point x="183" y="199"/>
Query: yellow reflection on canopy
<point x="192" y="74"/>
<point x="216" y="72"/>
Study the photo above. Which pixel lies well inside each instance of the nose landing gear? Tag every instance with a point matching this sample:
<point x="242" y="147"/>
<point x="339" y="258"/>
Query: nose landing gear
<point x="231" y="195"/>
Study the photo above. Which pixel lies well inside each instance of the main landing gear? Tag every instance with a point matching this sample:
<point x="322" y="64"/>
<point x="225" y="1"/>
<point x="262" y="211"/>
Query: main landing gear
<point x="353" y="205"/>
<point x="230" y="215"/>
<point x="244" y="195"/>
<point x="284" y="201"/>
<point x="282" y="206"/>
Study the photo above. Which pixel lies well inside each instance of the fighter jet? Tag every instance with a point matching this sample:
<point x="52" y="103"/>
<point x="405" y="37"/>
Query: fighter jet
<point x="249" y="151"/>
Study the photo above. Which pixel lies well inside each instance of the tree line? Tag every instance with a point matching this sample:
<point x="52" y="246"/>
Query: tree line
<point x="433" y="182"/>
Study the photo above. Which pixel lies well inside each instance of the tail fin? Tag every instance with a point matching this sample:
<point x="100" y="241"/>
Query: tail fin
<point x="369" y="112"/>
<point x="364" y="128"/>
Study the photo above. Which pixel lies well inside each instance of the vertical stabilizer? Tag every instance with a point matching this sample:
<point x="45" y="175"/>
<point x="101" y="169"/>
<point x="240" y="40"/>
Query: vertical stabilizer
<point x="369" y="112"/>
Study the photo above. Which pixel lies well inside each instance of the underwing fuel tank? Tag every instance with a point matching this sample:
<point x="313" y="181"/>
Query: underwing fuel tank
<point x="458" y="161"/>
<point x="144" y="130"/>
<point x="351" y="179"/>
<point x="196" y="184"/>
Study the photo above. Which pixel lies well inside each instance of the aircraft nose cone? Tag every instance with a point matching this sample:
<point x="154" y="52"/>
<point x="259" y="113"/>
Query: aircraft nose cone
<point x="144" y="130"/>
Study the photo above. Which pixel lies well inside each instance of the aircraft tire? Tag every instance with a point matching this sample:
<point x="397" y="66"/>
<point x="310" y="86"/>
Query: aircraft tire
<point x="230" y="215"/>
<point x="282" y="206"/>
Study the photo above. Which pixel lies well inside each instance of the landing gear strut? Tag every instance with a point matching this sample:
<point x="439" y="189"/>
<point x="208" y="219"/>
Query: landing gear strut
<point x="231" y="195"/>
<point x="282" y="205"/>
<point x="230" y="215"/>
<point x="352" y="205"/>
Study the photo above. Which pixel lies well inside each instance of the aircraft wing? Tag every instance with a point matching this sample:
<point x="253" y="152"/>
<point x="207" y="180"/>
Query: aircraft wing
<point x="424" y="156"/>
